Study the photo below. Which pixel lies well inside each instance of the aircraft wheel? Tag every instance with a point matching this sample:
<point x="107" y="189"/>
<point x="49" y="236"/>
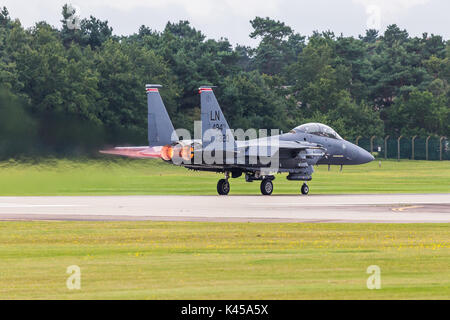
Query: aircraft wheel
<point x="266" y="187"/>
<point x="223" y="187"/>
<point x="305" y="189"/>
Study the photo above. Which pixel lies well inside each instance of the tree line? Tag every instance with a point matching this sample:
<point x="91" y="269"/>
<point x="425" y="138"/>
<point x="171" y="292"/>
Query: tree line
<point x="69" y="91"/>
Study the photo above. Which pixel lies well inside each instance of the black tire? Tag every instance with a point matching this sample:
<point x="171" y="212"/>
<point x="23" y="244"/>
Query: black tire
<point x="266" y="187"/>
<point x="305" y="189"/>
<point x="223" y="187"/>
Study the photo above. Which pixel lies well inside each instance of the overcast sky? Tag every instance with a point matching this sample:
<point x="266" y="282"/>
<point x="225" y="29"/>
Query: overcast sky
<point x="230" y="18"/>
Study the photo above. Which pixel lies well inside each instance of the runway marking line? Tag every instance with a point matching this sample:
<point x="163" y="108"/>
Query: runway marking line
<point x="401" y="209"/>
<point x="18" y="205"/>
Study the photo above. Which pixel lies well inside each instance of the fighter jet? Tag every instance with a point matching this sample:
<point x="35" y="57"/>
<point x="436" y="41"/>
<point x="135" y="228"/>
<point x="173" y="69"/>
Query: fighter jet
<point x="218" y="149"/>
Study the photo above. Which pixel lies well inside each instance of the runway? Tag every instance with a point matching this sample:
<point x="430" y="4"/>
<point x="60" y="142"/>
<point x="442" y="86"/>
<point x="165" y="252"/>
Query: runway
<point x="391" y="208"/>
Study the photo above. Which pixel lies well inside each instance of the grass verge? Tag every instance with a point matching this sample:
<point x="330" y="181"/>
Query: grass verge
<point x="147" y="177"/>
<point x="190" y="260"/>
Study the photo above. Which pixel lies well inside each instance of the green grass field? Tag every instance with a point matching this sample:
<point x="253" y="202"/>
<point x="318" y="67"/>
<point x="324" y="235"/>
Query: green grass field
<point x="189" y="260"/>
<point x="129" y="177"/>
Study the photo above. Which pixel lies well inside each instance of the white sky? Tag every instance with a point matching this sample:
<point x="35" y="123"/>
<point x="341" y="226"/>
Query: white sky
<point x="230" y="18"/>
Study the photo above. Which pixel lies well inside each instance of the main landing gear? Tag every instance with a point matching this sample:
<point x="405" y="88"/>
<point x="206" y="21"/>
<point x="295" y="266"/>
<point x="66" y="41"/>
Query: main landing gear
<point x="223" y="187"/>
<point x="266" y="187"/>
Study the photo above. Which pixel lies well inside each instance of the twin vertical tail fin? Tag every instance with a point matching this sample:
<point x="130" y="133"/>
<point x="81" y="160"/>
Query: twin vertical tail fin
<point x="213" y="118"/>
<point x="160" y="129"/>
<point x="161" y="134"/>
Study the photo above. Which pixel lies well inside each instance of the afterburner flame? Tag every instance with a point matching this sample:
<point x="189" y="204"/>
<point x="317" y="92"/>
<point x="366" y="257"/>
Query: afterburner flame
<point x="187" y="153"/>
<point x="183" y="152"/>
<point x="135" y="152"/>
<point x="167" y="153"/>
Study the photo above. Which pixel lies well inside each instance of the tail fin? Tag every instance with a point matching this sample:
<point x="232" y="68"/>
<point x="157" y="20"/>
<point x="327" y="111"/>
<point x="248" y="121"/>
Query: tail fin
<point x="212" y="116"/>
<point x="160" y="128"/>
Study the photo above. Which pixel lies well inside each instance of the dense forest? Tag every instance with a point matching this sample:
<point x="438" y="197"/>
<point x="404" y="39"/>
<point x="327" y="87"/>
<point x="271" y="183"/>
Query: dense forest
<point x="69" y="91"/>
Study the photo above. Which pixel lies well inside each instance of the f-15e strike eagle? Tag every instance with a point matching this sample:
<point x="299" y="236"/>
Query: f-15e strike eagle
<point x="217" y="149"/>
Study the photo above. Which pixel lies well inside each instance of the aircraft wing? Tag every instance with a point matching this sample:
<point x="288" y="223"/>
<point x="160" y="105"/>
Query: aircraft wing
<point x="135" y="152"/>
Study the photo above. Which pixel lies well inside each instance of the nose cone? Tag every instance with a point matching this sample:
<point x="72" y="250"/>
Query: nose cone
<point x="364" y="156"/>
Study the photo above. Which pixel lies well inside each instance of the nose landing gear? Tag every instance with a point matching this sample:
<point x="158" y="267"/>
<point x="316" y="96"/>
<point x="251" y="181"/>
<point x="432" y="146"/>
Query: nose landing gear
<point x="305" y="189"/>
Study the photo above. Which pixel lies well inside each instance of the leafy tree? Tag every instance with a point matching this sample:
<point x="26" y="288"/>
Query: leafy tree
<point x="17" y="128"/>
<point x="316" y="80"/>
<point x="370" y="37"/>
<point x="279" y="45"/>
<point x="124" y="69"/>
<point x="92" y="31"/>
<point x="420" y="113"/>
<point x="250" y="100"/>
<point x="5" y="20"/>
<point x="95" y="32"/>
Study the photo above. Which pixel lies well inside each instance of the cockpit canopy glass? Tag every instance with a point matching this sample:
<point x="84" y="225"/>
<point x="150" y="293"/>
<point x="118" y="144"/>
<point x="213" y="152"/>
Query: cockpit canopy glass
<point x="318" y="129"/>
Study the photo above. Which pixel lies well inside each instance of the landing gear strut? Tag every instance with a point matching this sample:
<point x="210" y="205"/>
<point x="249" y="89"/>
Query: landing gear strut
<point x="266" y="187"/>
<point x="223" y="186"/>
<point x="305" y="189"/>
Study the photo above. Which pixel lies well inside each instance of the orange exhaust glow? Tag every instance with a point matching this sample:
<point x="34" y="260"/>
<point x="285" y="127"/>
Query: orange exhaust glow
<point x="177" y="150"/>
<point x="167" y="153"/>
<point x="187" y="153"/>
